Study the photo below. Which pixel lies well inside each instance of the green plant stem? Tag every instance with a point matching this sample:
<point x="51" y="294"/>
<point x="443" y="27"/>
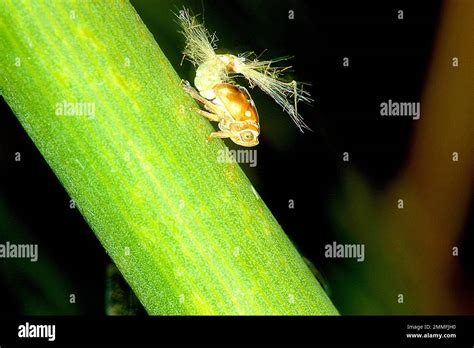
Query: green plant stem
<point x="189" y="234"/>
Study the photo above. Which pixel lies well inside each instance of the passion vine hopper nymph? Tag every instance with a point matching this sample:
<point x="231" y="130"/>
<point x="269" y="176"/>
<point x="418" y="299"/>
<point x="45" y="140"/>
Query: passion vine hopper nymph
<point x="224" y="100"/>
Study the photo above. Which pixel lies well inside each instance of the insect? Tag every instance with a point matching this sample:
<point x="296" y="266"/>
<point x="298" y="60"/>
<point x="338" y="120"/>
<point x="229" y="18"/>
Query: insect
<point x="223" y="99"/>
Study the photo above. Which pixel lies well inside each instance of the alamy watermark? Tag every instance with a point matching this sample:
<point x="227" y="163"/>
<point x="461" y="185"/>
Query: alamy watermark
<point x="345" y="251"/>
<point x="66" y="108"/>
<point x="28" y="330"/>
<point x="393" y="108"/>
<point x="238" y="156"/>
<point x="22" y="251"/>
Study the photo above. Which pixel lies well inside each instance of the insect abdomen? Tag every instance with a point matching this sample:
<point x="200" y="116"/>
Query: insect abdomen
<point x="207" y="76"/>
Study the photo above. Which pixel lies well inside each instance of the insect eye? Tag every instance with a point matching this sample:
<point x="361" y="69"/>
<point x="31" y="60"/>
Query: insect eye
<point x="247" y="136"/>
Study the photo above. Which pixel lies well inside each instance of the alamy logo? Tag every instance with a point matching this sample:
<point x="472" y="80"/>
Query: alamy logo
<point x="37" y="331"/>
<point x="392" y="108"/>
<point x="345" y="251"/>
<point x="66" y="108"/>
<point x="22" y="251"/>
<point x="237" y="156"/>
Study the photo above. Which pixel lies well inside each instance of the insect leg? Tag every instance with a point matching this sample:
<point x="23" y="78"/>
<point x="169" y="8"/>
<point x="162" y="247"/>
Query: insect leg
<point x="209" y="115"/>
<point x="220" y="134"/>
<point x="217" y="112"/>
<point x="193" y="93"/>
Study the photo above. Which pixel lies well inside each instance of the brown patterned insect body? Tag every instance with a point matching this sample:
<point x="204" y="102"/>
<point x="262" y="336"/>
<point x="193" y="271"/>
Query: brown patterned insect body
<point x="233" y="108"/>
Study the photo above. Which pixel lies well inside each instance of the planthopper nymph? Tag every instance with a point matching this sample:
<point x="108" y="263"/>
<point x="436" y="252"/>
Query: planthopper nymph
<point x="223" y="99"/>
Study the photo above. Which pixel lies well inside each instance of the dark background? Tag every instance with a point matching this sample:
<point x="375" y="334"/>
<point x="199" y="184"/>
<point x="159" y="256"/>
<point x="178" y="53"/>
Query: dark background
<point x="388" y="60"/>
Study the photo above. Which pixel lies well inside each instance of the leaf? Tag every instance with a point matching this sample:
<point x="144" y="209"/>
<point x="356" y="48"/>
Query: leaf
<point x="103" y="105"/>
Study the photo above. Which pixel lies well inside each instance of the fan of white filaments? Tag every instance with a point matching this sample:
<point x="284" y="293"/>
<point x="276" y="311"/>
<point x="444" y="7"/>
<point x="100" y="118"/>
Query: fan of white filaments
<point x="267" y="77"/>
<point x="200" y="44"/>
